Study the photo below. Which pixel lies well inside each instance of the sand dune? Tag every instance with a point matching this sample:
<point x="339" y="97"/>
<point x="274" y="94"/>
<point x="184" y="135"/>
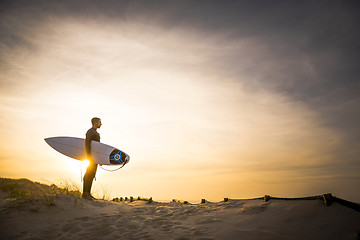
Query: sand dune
<point x="66" y="216"/>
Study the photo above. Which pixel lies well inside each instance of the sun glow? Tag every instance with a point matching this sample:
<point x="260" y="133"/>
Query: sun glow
<point x="75" y="166"/>
<point x="84" y="163"/>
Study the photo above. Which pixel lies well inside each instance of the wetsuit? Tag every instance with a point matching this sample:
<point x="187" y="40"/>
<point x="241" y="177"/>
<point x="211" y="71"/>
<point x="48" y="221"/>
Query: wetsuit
<point x="91" y="135"/>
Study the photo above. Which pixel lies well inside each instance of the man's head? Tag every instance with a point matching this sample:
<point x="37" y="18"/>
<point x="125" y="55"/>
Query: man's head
<point x="96" y="122"/>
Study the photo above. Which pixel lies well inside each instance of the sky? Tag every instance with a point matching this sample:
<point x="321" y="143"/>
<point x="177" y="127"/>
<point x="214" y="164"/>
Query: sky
<point x="210" y="99"/>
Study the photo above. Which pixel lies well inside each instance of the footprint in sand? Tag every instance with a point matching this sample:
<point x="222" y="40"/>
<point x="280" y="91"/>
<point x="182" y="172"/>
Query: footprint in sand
<point x="206" y="221"/>
<point x="84" y="219"/>
<point x="67" y="227"/>
<point x="50" y="234"/>
<point x="196" y="232"/>
<point x="253" y="209"/>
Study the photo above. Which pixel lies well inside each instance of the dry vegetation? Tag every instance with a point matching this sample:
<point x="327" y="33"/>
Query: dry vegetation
<point x="25" y="191"/>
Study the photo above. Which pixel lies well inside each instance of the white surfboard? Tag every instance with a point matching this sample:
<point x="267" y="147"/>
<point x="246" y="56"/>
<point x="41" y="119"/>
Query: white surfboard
<point x="100" y="153"/>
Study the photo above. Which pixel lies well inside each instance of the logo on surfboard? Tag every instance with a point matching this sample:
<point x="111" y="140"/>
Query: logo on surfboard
<point x="118" y="157"/>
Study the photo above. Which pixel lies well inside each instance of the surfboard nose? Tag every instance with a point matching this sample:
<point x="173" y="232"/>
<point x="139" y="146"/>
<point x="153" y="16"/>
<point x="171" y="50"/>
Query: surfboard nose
<point x="127" y="158"/>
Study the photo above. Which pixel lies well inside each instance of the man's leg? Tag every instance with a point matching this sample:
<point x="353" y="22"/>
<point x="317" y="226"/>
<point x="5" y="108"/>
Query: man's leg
<point x="88" y="180"/>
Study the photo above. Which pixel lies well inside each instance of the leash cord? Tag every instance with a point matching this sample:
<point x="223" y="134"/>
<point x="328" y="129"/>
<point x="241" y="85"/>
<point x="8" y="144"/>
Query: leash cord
<point x="113" y="169"/>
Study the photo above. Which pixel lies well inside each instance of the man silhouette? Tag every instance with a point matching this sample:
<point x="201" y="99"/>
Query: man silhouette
<point x="91" y="135"/>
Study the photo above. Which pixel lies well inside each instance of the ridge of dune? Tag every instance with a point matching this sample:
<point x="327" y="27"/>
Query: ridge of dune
<point x="66" y="216"/>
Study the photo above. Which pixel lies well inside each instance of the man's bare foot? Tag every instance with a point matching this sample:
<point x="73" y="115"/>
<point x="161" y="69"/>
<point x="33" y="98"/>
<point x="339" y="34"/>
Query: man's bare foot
<point x="88" y="196"/>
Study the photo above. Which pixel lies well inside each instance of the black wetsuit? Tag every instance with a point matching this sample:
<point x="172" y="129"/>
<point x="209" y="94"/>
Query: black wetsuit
<point x="91" y="135"/>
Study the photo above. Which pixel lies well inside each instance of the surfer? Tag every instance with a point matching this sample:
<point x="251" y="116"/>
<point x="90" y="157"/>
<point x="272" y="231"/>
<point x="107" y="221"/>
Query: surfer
<point x="91" y="135"/>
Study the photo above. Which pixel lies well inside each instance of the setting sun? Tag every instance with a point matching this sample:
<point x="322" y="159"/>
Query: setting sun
<point x="84" y="163"/>
<point x="75" y="166"/>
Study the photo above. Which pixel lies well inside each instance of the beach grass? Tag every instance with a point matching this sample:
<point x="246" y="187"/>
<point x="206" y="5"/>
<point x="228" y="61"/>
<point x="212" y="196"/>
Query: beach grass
<point x="26" y="191"/>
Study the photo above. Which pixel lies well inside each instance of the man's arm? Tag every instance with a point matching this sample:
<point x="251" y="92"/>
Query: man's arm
<point x="88" y="140"/>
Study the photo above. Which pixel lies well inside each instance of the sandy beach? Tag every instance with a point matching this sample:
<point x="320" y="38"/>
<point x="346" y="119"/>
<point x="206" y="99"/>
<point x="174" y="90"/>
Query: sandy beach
<point x="66" y="216"/>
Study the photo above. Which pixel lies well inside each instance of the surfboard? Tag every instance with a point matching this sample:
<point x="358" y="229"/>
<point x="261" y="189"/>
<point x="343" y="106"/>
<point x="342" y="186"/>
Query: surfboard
<point x="101" y="153"/>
